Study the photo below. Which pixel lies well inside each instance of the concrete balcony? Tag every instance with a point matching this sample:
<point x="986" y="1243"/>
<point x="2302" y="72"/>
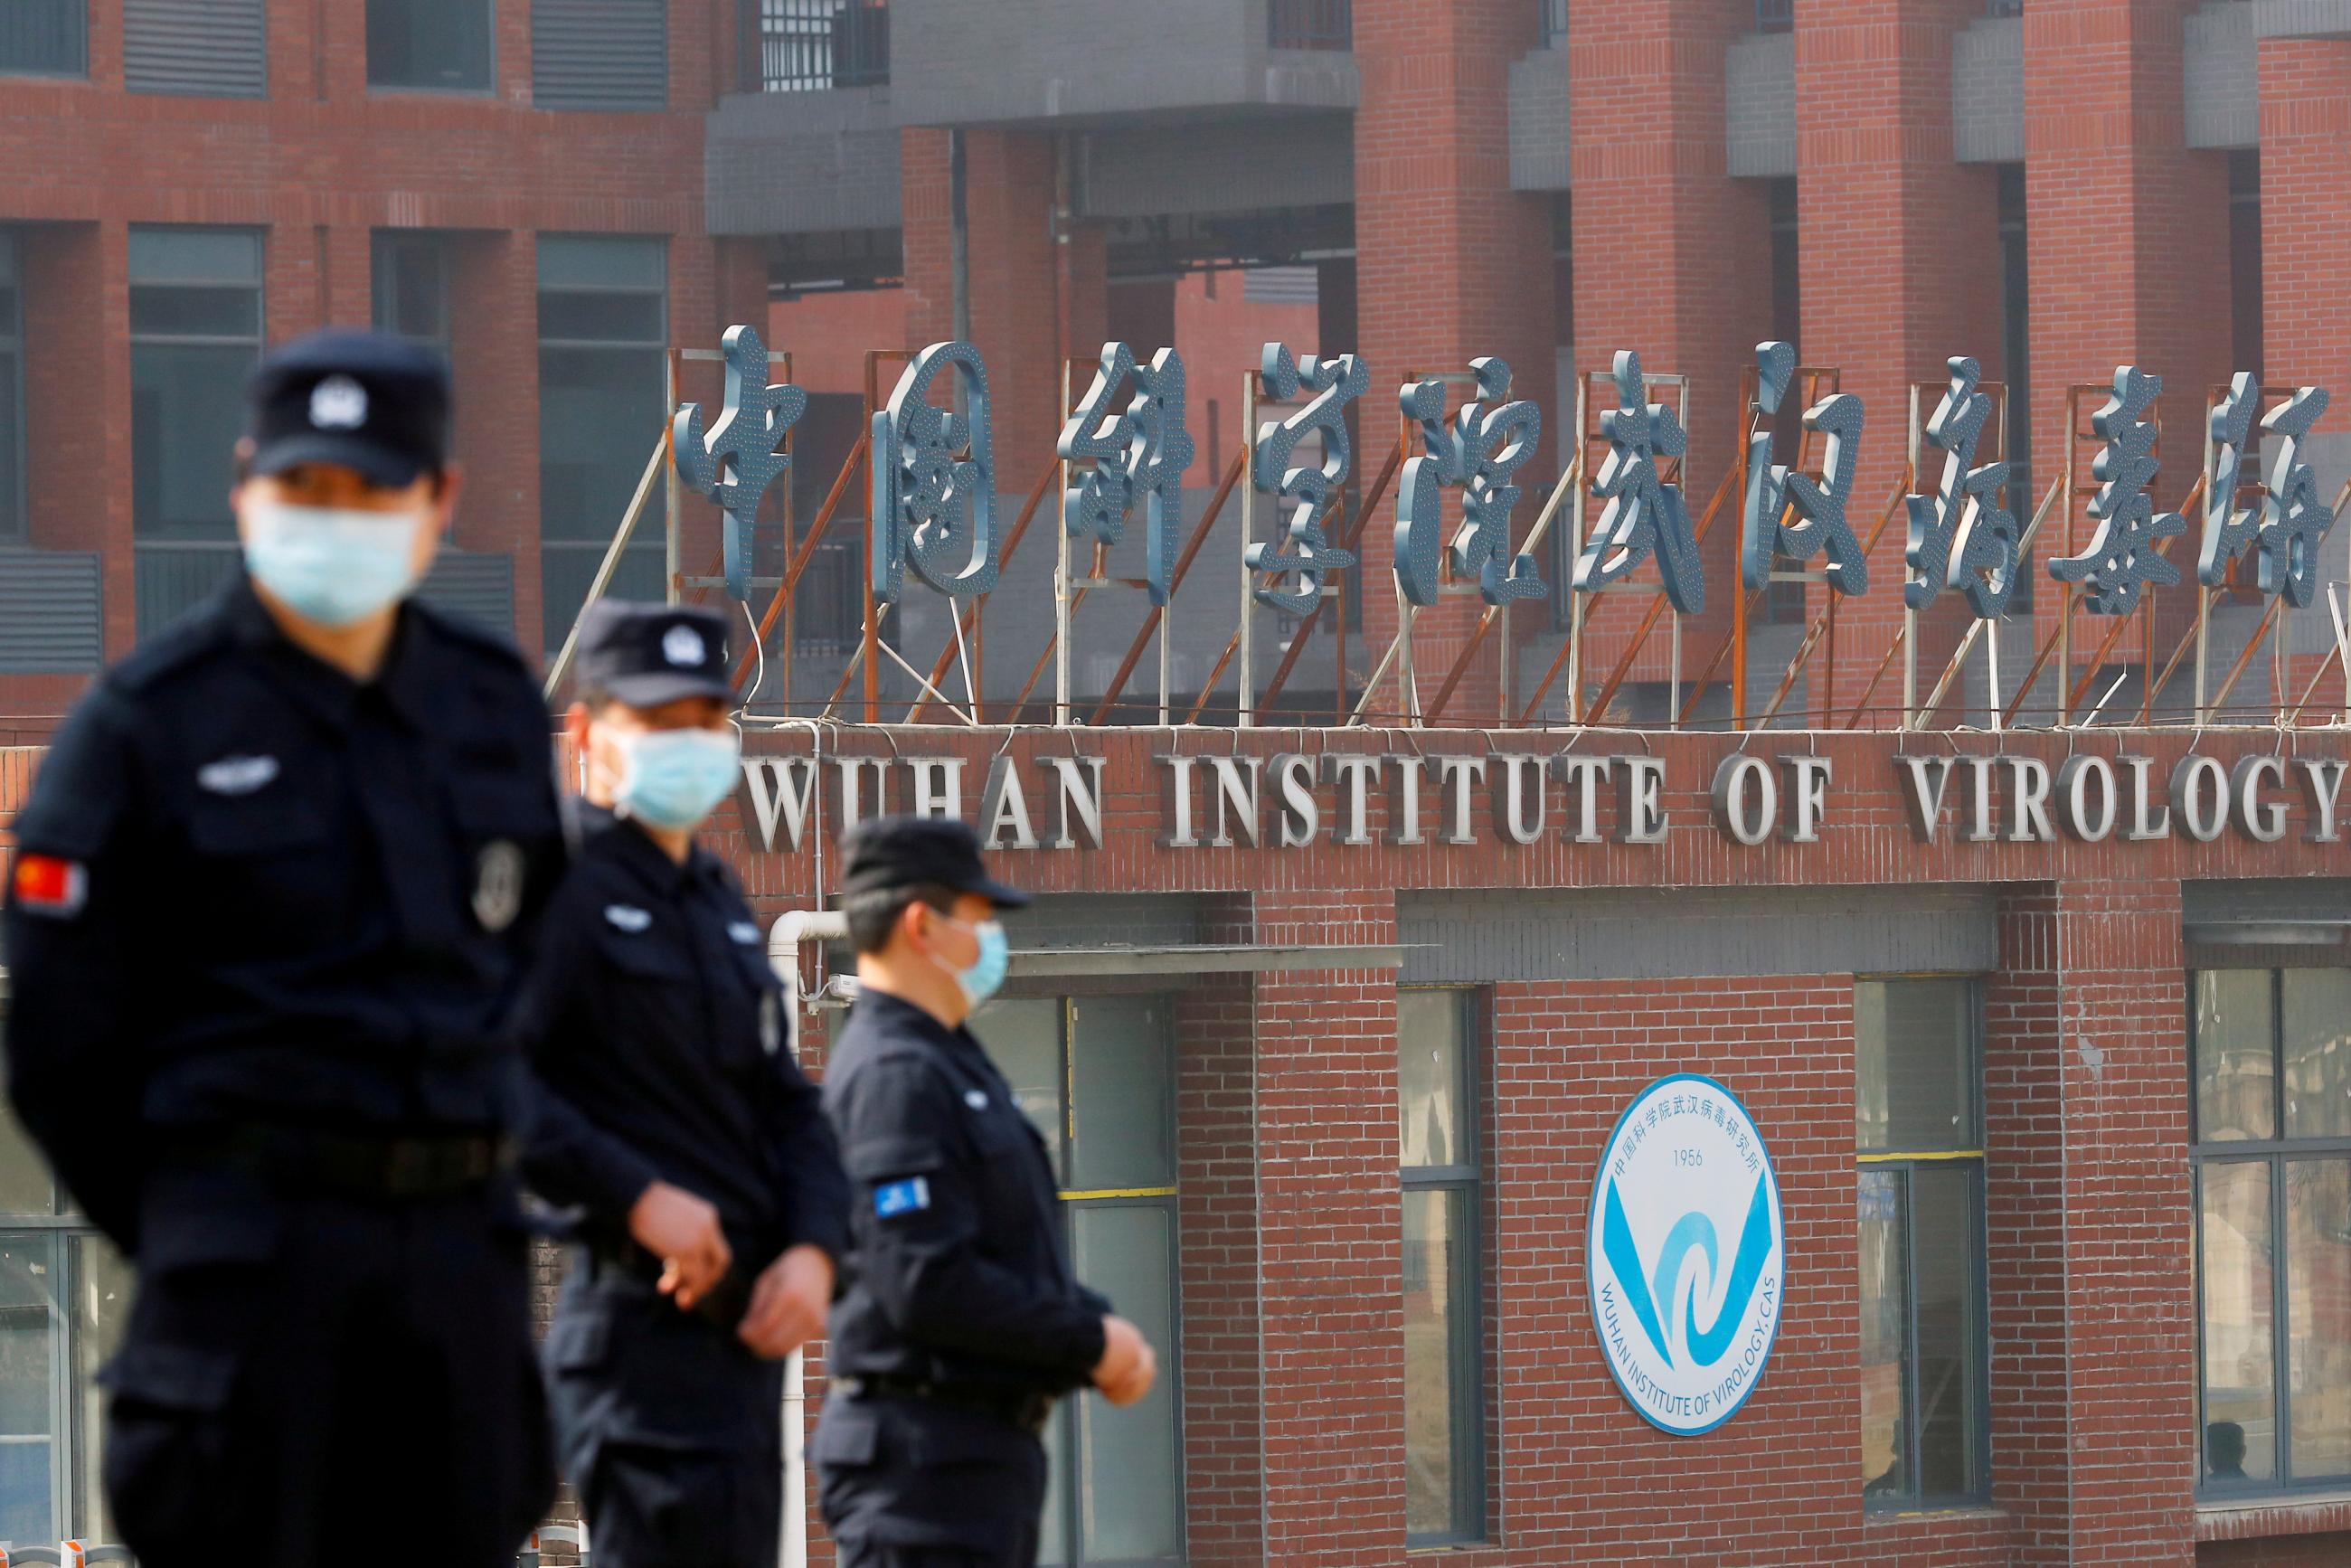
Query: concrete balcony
<point x="1040" y="63"/>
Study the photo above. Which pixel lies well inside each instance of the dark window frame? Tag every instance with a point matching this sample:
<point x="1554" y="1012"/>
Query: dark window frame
<point x="489" y="84"/>
<point x="15" y="507"/>
<point x="1466" y="1181"/>
<point x="1905" y="1164"/>
<point x="79" y="72"/>
<point x="2275" y="1154"/>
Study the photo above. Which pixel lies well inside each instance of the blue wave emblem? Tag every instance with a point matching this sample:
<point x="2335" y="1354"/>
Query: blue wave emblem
<point x="1650" y="1292"/>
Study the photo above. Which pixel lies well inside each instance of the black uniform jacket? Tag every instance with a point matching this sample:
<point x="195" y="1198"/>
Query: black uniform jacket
<point x="276" y="895"/>
<point x="957" y="1270"/>
<point x="659" y="1040"/>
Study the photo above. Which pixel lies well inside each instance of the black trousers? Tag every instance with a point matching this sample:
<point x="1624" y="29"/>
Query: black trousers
<point x="906" y="1483"/>
<point x="307" y="1381"/>
<point x="671" y="1428"/>
<point x="868" y="1554"/>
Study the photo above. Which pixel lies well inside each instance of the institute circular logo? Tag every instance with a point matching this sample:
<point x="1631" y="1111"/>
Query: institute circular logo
<point x="1686" y="1254"/>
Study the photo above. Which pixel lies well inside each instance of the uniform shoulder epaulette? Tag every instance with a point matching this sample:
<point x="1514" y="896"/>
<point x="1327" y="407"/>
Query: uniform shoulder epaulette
<point x="183" y="643"/>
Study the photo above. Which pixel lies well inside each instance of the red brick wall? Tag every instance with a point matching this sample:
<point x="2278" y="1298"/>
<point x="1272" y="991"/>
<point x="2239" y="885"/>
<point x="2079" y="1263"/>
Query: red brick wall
<point x="2329" y="1551"/>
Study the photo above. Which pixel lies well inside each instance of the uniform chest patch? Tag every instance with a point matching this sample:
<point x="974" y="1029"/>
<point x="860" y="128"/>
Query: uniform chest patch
<point x="45" y="884"/>
<point x="743" y="931"/>
<point x="237" y="775"/>
<point x="910" y="1195"/>
<point x="976" y="1098"/>
<point x="627" y="917"/>
<point x="497" y="885"/>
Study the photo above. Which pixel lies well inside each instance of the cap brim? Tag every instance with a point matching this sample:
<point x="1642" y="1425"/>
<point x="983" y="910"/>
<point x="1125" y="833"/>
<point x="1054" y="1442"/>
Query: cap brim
<point x="1002" y="895"/>
<point x="665" y="686"/>
<point x="377" y="464"/>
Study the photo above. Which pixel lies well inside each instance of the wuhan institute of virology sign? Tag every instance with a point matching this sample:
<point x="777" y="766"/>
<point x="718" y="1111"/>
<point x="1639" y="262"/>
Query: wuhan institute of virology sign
<point x="1686" y="1254"/>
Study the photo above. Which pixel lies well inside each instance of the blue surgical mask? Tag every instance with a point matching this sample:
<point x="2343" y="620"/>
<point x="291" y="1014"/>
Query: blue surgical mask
<point x="675" y="777"/>
<point x="332" y="564"/>
<point x="980" y="981"/>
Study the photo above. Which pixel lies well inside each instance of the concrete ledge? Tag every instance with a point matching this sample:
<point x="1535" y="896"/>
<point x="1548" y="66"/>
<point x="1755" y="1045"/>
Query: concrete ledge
<point x="2302" y="18"/>
<point x="802" y="162"/>
<point x="2321" y="1513"/>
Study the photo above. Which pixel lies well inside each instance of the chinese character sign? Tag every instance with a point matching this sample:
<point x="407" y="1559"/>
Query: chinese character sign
<point x="737" y="459"/>
<point x="932" y="509"/>
<point x="1644" y="516"/>
<point x="1310" y="495"/>
<point x="2229" y="529"/>
<point x="1487" y="442"/>
<point x="2294" y="520"/>
<point x="1789" y="513"/>
<point x="2122" y="556"/>
<point x="1961" y="536"/>
<point x="1141" y="449"/>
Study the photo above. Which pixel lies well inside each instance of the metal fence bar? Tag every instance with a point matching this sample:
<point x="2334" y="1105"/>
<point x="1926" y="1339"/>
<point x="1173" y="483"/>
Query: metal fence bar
<point x="811" y="46"/>
<point x="1311" y="24"/>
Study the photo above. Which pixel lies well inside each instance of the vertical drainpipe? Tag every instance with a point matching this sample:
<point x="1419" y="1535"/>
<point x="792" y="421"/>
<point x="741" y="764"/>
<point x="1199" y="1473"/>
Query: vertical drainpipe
<point x="960" y="237"/>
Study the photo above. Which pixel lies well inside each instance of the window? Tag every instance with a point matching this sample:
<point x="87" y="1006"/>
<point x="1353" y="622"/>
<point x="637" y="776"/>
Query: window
<point x="811" y="46"/>
<point x="411" y="282"/>
<point x="603" y="406"/>
<point x="44" y="38"/>
<point x="195" y="331"/>
<point x="1919" y="1134"/>
<point x="2270" y="1054"/>
<point x="1095" y="1076"/>
<point x="63" y="1294"/>
<point x="444" y="45"/>
<point x="12" y="391"/>
<point x="1775" y="15"/>
<point x="1444" y="1420"/>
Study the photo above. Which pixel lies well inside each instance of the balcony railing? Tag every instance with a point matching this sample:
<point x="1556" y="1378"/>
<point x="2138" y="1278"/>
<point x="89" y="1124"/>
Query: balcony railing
<point x="1552" y="18"/>
<point x="1775" y="15"/>
<point x="813" y="45"/>
<point x="1311" y="24"/>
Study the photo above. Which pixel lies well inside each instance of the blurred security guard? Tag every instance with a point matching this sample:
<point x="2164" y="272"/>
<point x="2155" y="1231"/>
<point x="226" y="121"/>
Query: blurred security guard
<point x="960" y="1322"/>
<point x="672" y="1115"/>
<point x="269" y="920"/>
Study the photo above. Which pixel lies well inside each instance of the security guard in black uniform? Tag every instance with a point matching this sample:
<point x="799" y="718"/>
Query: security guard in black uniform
<point x="269" y="918"/>
<point x="960" y="1321"/>
<point x="671" y="1114"/>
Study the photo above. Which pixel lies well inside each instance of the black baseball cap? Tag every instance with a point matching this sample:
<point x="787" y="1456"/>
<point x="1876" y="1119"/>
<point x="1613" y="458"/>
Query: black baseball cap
<point x="887" y="853"/>
<point x="364" y="401"/>
<point x="647" y="655"/>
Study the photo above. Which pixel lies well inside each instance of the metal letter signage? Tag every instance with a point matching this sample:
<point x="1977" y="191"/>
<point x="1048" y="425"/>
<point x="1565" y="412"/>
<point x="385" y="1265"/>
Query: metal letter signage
<point x="2228" y="528"/>
<point x="932" y="509"/>
<point x="1311" y="494"/>
<point x="2121" y="556"/>
<point x="2293" y="520"/>
<point x="1773" y="490"/>
<point x="1686" y="1254"/>
<point x="1487" y="442"/>
<point x="737" y="460"/>
<point x="1644" y="515"/>
<point x="1145" y="449"/>
<point x="1962" y="536"/>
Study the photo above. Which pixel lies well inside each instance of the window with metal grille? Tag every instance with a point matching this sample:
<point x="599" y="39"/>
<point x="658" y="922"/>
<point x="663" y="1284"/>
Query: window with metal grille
<point x="2270" y="1066"/>
<point x="437" y="44"/>
<point x="1918" y="1132"/>
<point x="813" y="45"/>
<point x="44" y="38"/>
<point x="1444" y="1404"/>
<point x="603" y="329"/>
<point x="1095" y="1076"/>
<point x="1551" y="16"/>
<point x="1311" y="24"/>
<point x="1775" y="15"/>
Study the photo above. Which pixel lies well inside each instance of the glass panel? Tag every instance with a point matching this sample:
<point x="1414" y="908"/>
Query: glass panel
<point x="1024" y="1040"/>
<point x="1942" y="1210"/>
<point x="176" y="310"/>
<point x="599" y="418"/>
<point x="1885" y="1313"/>
<point x="1431" y="1074"/>
<point x="2317" y="1034"/>
<point x="28" y="1322"/>
<point x="2236" y="1060"/>
<point x="565" y="572"/>
<point x="2318" y="1317"/>
<point x="25" y="1187"/>
<point x="47" y="37"/>
<point x="602" y="261"/>
<point x="443" y="44"/>
<point x="187" y="409"/>
<point x="1130" y="1507"/>
<point x="600" y="318"/>
<point x="411" y="286"/>
<point x="1125" y="1110"/>
<point x="2240" y="1381"/>
<point x="1914" y="1062"/>
<point x="164" y="254"/>
<point x="102" y="1279"/>
<point x="1436" y="1367"/>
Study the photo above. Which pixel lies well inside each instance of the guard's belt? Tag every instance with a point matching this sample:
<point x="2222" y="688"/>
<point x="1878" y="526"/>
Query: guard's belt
<point x="1028" y="1411"/>
<point x="355" y="1164"/>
